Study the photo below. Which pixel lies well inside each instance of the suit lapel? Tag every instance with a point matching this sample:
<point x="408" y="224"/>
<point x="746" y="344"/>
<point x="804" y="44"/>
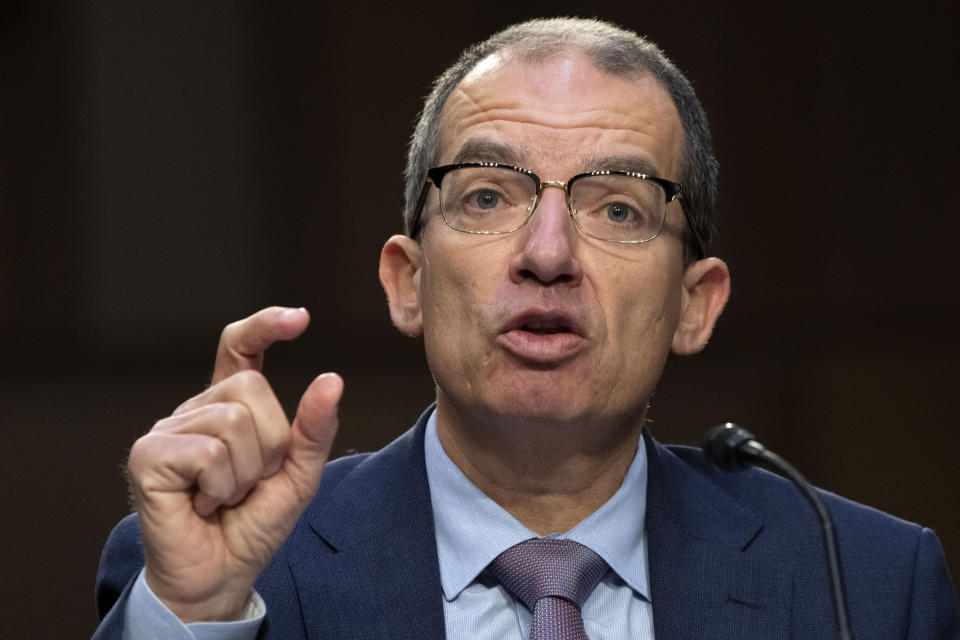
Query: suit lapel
<point x="704" y="581"/>
<point x="375" y="573"/>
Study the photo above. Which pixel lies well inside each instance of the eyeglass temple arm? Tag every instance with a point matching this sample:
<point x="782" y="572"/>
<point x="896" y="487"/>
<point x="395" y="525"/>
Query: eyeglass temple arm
<point x="701" y="245"/>
<point x="418" y="210"/>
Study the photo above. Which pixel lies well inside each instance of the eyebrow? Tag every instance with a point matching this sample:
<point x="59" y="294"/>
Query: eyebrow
<point x="479" y="150"/>
<point x="632" y="163"/>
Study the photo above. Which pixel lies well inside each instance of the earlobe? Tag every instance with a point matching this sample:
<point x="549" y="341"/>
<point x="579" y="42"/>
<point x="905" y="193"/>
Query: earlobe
<point x="706" y="288"/>
<point x="399" y="275"/>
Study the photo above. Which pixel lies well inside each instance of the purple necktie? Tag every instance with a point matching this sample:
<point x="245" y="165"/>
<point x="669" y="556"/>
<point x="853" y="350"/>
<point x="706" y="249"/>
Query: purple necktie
<point x="553" y="578"/>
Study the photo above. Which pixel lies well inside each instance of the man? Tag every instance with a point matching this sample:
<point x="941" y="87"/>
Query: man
<point x="560" y="194"/>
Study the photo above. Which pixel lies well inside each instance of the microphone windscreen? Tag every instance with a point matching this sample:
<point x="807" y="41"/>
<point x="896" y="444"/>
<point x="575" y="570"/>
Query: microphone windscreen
<point x="722" y="446"/>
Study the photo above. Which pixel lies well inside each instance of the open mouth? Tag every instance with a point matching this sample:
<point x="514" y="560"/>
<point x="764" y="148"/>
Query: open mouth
<point x="544" y="326"/>
<point x="543" y="338"/>
<point x="540" y="323"/>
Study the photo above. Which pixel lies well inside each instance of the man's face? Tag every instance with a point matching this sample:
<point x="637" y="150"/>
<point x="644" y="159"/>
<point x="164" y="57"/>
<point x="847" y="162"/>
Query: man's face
<point x="545" y="323"/>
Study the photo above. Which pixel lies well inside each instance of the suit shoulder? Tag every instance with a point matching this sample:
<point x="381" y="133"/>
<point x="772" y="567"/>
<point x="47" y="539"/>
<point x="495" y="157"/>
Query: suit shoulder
<point x="778" y="501"/>
<point x="337" y="469"/>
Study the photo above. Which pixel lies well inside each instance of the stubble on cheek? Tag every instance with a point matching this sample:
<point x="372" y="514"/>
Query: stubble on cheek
<point x="637" y="333"/>
<point x="452" y="326"/>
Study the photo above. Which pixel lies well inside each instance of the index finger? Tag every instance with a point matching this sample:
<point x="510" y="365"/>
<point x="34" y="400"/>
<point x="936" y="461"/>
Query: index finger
<point x="242" y="343"/>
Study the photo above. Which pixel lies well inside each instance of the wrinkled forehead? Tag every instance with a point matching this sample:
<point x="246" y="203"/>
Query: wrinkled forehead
<point x="557" y="106"/>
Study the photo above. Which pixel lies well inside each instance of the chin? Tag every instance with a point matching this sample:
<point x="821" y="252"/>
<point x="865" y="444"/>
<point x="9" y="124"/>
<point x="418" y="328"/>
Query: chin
<point x="549" y="404"/>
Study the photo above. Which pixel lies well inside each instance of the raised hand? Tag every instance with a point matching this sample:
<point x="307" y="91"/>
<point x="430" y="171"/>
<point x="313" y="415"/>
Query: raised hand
<point x="220" y="483"/>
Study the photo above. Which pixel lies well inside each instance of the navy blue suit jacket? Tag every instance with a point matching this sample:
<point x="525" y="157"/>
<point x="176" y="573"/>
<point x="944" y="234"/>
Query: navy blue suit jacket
<point x="731" y="556"/>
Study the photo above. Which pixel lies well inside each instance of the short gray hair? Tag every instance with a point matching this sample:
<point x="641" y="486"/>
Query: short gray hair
<point x="614" y="51"/>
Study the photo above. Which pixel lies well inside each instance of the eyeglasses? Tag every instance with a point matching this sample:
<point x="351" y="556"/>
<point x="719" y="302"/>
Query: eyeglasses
<point x="492" y="199"/>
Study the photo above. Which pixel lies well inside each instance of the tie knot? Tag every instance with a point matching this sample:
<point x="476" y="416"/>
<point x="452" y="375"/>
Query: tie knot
<point x="548" y="567"/>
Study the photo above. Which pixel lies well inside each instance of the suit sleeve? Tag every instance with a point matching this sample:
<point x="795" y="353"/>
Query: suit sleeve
<point x="933" y="608"/>
<point x="120" y="563"/>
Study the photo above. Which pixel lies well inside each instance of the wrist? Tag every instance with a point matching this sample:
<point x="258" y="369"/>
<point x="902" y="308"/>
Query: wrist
<point x="225" y="605"/>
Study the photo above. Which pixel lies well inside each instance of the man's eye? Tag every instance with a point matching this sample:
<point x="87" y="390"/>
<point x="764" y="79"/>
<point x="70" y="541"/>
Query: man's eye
<point x="618" y="212"/>
<point x="487" y="199"/>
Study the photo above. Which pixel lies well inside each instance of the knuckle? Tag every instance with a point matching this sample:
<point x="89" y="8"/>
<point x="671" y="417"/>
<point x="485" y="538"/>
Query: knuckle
<point x="234" y="415"/>
<point x="249" y="381"/>
<point x="147" y="455"/>
<point x="159" y="426"/>
<point x="212" y="452"/>
<point x="230" y="332"/>
<point x="140" y="452"/>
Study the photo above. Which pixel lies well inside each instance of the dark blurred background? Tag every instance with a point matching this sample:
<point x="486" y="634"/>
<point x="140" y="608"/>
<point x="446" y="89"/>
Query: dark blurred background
<point x="168" y="167"/>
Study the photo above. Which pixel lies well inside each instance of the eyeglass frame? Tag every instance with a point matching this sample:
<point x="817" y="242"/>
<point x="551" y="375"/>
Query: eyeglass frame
<point x="672" y="191"/>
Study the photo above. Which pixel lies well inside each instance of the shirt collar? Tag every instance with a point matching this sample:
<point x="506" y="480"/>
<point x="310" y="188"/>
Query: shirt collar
<point x="614" y="531"/>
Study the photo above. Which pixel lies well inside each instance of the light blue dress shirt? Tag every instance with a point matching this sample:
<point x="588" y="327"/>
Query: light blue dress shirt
<point x="471" y="531"/>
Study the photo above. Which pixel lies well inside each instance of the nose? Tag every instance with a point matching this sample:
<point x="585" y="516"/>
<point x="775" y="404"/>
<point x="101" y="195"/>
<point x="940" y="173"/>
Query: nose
<point x="546" y="252"/>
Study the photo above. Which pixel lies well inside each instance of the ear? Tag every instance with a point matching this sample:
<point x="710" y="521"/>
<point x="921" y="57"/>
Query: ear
<point x="706" y="287"/>
<point x="400" y="277"/>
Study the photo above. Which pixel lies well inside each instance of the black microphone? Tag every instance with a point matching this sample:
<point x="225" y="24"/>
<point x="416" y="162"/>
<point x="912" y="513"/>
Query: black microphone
<point x="733" y="448"/>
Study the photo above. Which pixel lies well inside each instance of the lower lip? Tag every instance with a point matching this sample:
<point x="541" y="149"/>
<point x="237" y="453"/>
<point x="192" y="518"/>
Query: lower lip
<point x="545" y="348"/>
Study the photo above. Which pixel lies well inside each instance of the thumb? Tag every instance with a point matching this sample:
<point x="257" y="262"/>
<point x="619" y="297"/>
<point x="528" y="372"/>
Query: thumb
<point x="312" y="433"/>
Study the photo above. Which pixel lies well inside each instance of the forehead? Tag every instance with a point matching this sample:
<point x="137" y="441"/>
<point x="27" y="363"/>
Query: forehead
<point x="561" y="113"/>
